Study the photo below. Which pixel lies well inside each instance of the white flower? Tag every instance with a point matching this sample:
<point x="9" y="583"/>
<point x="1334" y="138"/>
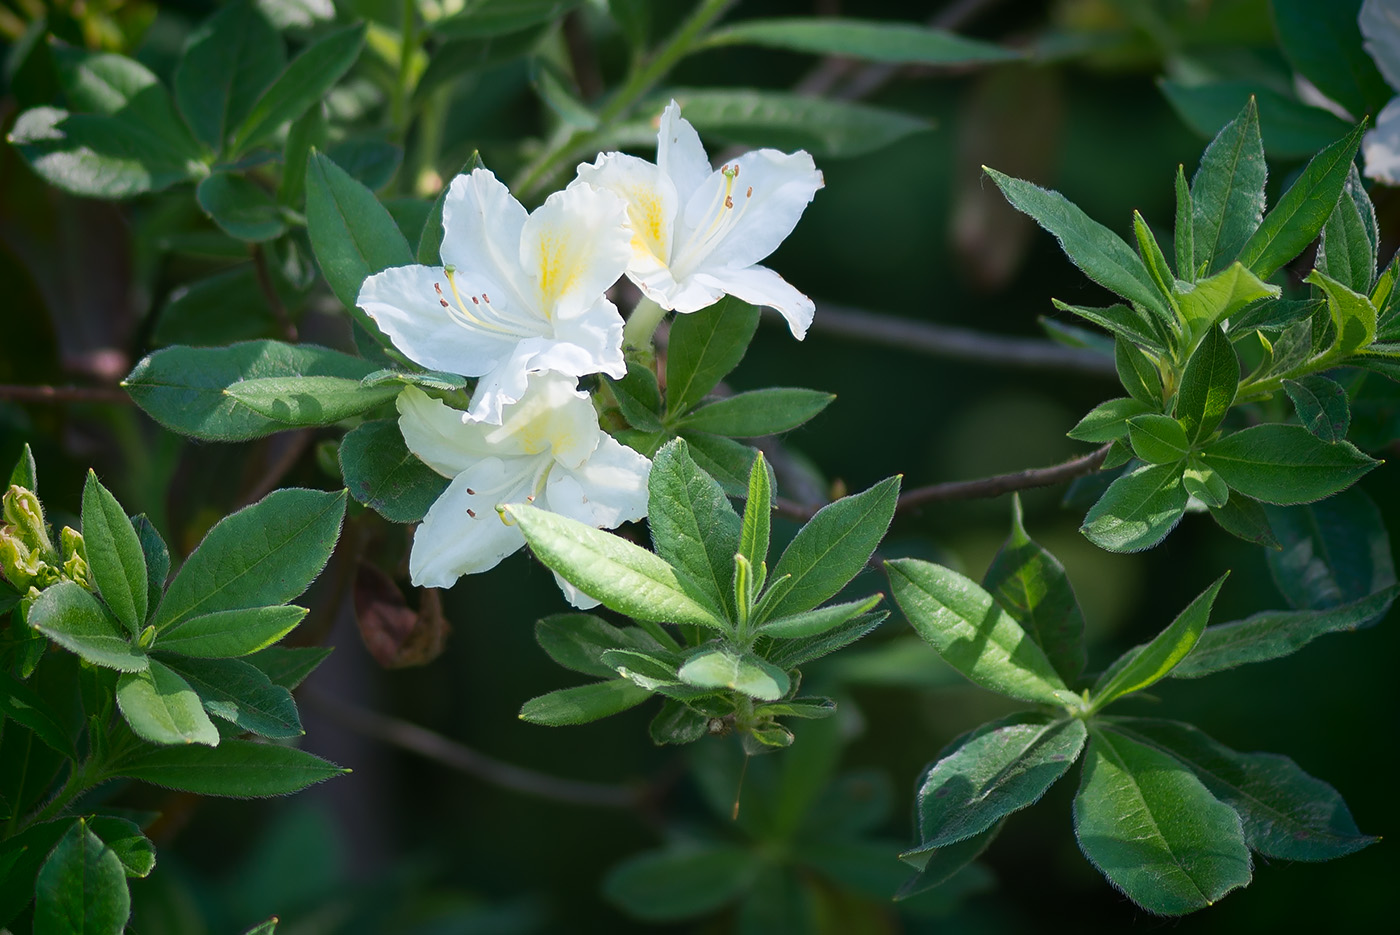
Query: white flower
<point x="519" y="293"/>
<point x="548" y="451"/>
<point x="699" y="233"/>
<point x="1380" y="25"/>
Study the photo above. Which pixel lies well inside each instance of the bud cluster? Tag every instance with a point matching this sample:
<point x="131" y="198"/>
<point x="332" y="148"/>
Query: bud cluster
<point x="28" y="558"/>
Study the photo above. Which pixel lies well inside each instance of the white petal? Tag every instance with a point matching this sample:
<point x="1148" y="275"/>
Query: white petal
<point x="573" y="247"/>
<point x="688" y="295"/>
<point x="651" y="202"/>
<point x="768" y="194"/>
<point x="680" y="154"/>
<point x="573" y="595"/>
<point x="437" y="435"/>
<point x="1381" y="146"/>
<point x="553" y="419"/>
<point x="481" y="227"/>
<point x="759" y="285"/>
<point x="1380" y="24"/>
<point x="407" y="305"/>
<point x="609" y="489"/>
<point x="453" y="542"/>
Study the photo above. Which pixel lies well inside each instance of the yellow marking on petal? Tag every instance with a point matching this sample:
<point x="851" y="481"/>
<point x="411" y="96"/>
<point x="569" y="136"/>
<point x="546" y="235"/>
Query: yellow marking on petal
<point x="559" y="270"/>
<point x="648" y="217"/>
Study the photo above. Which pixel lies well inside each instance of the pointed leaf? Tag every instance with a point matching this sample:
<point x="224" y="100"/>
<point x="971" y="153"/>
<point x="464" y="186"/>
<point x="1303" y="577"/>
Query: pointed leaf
<point x="1223" y="295"/>
<point x="584" y="703"/>
<point x="1138" y="374"/>
<point x="1322" y="406"/>
<point x="816" y="622"/>
<point x="1243" y="517"/>
<point x="226" y="64"/>
<point x="758" y="412"/>
<point x="133" y="849"/>
<point x="578" y="641"/>
<point x="309" y="401"/>
<point x="1158" y="439"/>
<point x="939" y="866"/>
<point x="238" y="769"/>
<point x="73" y="619"/>
<point x="1353" y="315"/>
<point x="1108" y="420"/>
<point x="242" y="695"/>
<point x="1119" y="320"/>
<point x="114" y="555"/>
<point x="161" y="707"/>
<point x="1138" y="510"/>
<point x="229" y="633"/>
<point x="757" y="522"/>
<point x="23" y="705"/>
<point x="288" y="666"/>
<point x="704" y="346"/>
<point x="157" y="558"/>
<point x="1285" y="464"/>
<point x="384" y="475"/>
<point x="1184" y="241"/>
<point x="1227" y="193"/>
<point x="793" y="653"/>
<point x="693" y="527"/>
<point x="81" y="888"/>
<point x="1347" y="251"/>
<point x="1208" y="386"/>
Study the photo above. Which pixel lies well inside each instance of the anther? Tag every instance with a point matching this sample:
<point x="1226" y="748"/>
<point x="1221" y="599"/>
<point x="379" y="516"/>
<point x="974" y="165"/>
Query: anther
<point x="471" y="513"/>
<point x="486" y="298"/>
<point x="437" y="286"/>
<point x="470" y="492"/>
<point x="749" y="193"/>
<point x="728" y="201"/>
<point x="443" y="303"/>
<point x="475" y="300"/>
<point x="530" y="499"/>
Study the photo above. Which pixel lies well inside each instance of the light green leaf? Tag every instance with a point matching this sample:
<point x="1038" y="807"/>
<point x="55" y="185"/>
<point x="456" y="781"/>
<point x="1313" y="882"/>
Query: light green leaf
<point x="81" y="888"/>
<point x="114" y="555"/>
<point x="161" y="707"/>
<point x="627" y="579"/>
<point x="384" y="475"/>
<point x="1158" y="439"/>
<point x="1227" y="194"/>
<point x="1145" y="665"/>
<point x="264" y="554"/>
<point x="1353" y="315"/>
<point x="309" y="401"/>
<point x="1153" y="257"/>
<point x="1208" y="386"/>
<point x="1213" y="300"/>
<point x="227" y="63"/>
<point x="757" y="523"/>
<point x="1138" y="509"/>
<point x="584" y="703"/>
<point x="693" y="526"/>
<point x="816" y="622"/>
<point x="750" y="675"/>
<point x="1204" y="484"/>
<point x="228" y="633"/>
<point x="872" y="40"/>
<point x="73" y="619"/>
<point x="239" y="769"/>
<point x="1138" y="373"/>
<point x="1347" y="250"/>
<point x="704" y="346"/>
<point x="1108" y="420"/>
<point x="1184" y="239"/>
<point x="758" y="412"/>
<point x="1149" y="825"/>
<point x="1285" y="464"/>
<point x="973" y="634"/>
<point x="242" y="694"/>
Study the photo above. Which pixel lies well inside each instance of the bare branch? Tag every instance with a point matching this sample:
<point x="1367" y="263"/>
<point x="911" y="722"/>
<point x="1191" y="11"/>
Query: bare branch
<point x="64" y="394"/>
<point x="450" y="753"/>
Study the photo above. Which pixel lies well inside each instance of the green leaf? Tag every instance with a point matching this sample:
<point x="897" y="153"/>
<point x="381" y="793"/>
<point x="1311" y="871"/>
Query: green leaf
<point x="1303" y="210"/>
<point x="114" y="555"/>
<point x="1227" y="193"/>
<point x="430" y="242"/>
<point x="651" y="670"/>
<point x="677" y="723"/>
<point x="161" y="707"/>
<point x="1031" y="585"/>
<point x="383" y="474"/>
<point x="1158" y="439"/>
<point x="266" y="928"/>
<point x="220" y="309"/>
<point x="1150" y="826"/>
<point x="1208" y="386"/>
<point x="819" y="621"/>
<point x="240" y="207"/>
<point x="239" y="769"/>
<point x="1274" y="634"/>
<point x="305" y="81"/>
<point x="1138" y="374"/>
<point x="1184" y="231"/>
<point x="624" y="577"/>
<point x="25" y="472"/>
<point x="578" y="641"/>
<point x="353" y="235"/>
<point x="1145" y="665"/>
<point x="704" y="346"/>
<point x="1138" y="509"/>
<point x="693" y="526"/>
<point x="184" y="388"/>
<point x="782" y="120"/>
<point x="73" y="619"/>
<point x="23" y="705"/>
<point x="309" y="401"/>
<point x="1353" y="315"/>
<point x="718" y="668"/>
<point x="1321" y="405"/>
<point x="872" y="40"/>
<point x="230" y="633"/>
<point x="1285" y="464"/>
<point x="264" y="554"/>
<point x="1347" y="251"/>
<point x="372" y="163"/>
<point x="584" y="703"/>
<point x="995" y="770"/>
<point x="1228" y="292"/>
<point x="1287" y="814"/>
<point x="1240" y="516"/>
<point x="243" y="695"/>
<point x="157" y="558"/>
<point x="1324" y="44"/>
<point x="288" y="666"/>
<point x="1100" y="253"/>
<point x="758" y="412"/>
<point x="81" y="888"/>
<point x="1292" y="129"/>
<point x="973" y="634"/>
<point x="133" y="849"/>
<point x="638" y="395"/>
<point x="21" y="858"/>
<point x="488" y="18"/>
<point x="1119" y="320"/>
<point x="227" y="63"/>
<point x="939" y="866"/>
<point x="757" y="523"/>
<point x="727" y="461"/>
<point x="1108" y="420"/>
<point x="834" y="547"/>
<point x="1334" y="552"/>
<point x="681" y="883"/>
<point x="1204" y="484"/>
<point x="1153" y="257"/>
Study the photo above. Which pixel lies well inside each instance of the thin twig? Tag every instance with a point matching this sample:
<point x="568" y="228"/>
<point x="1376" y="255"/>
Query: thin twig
<point x="269" y="291"/>
<point x="959" y="343"/>
<point x="979" y="489"/>
<point x="450" y="753"/>
<point x="64" y="394"/>
<point x="297" y="444"/>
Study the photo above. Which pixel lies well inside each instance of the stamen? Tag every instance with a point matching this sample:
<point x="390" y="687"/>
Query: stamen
<point x="471" y="513"/>
<point x="749" y="193"/>
<point x="728" y="201"/>
<point x="470" y="492"/>
<point x="444" y="303"/>
<point x="486" y="297"/>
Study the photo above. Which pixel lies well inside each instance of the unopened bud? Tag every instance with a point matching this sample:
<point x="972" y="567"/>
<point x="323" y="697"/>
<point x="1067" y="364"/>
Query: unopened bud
<point x="17" y="563"/>
<point x="147" y="637"/>
<point x="24" y="514"/>
<point x="75" y="563"/>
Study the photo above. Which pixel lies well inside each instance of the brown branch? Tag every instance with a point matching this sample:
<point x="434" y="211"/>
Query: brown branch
<point x="269" y="291"/>
<point x="450" y="753"/>
<point x="979" y="489"/>
<point x="958" y="343"/>
<point x="64" y="394"/>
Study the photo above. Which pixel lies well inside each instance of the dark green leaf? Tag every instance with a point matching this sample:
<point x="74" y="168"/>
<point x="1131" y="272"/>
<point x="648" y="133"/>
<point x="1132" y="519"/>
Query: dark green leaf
<point x="790" y="654"/>
<point x="584" y="703"/>
<point x="1292" y="129"/>
<point x="81" y="888"/>
<point x="25" y="473"/>
<point x="1227" y="193"/>
<point x="704" y="346"/>
<point x="288" y="666"/>
<point x="1285" y="464"/>
<point x="1031" y="585"/>
<point x="459" y="58"/>
<point x="264" y="554"/>
<point x="239" y="769"/>
<point x="973" y="634"/>
<point x="940" y="866"/>
<point x="1138" y="509"/>
<point x="1208" y="386"/>
<point x="680" y="883"/>
<point x="677" y="723"/>
<point x="1273" y="634"/>
<point x="133" y="849"/>
<point x="873" y="40"/>
<point x="1323" y="42"/>
<point x="184" y="388"/>
<point x="430" y="242"/>
<point x="21" y="856"/>
<point x="578" y="641"/>
<point x="1322" y="406"/>
<point x="383" y="474"/>
<point x="1245" y="518"/>
<point x="114" y="555"/>
<point x="501" y="17"/>
<point x="758" y="412"/>
<point x="157" y="558"/>
<point x="240" y="207"/>
<point x="816" y="622"/>
<point x="727" y="461"/>
<point x="372" y="163"/>
<point x="1335" y="552"/>
<point x="228" y="633"/>
<point x="1347" y="251"/>
<point x="1100" y="253"/>
<point x="693" y="526"/>
<point x="309" y="401"/>
<point x="1150" y="826"/>
<point x="220" y="309"/>
<point x="73" y="619"/>
<point x="1138" y="374"/>
<point x="241" y="694"/>
<point x="23" y="705"/>
<point x="639" y="397"/>
<point x="227" y="63"/>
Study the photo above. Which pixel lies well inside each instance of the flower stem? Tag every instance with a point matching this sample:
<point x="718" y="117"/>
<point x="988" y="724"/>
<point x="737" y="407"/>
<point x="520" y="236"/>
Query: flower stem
<point x="641" y="325"/>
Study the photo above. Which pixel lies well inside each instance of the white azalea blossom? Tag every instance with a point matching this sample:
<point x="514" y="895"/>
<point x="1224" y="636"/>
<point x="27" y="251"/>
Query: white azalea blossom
<point x="548" y="451"/>
<point x="518" y="294"/>
<point x="699" y="233"/>
<point x="1380" y="25"/>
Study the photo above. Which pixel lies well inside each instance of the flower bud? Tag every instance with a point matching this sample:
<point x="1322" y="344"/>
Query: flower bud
<point x="24" y="514"/>
<point x="75" y="563"/>
<point x="17" y="563"/>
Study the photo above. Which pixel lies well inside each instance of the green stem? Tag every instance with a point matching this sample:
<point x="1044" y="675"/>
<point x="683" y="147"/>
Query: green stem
<point x="643" y="77"/>
<point x="78" y="781"/>
<point x="408" y="44"/>
<point x="641" y="325"/>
